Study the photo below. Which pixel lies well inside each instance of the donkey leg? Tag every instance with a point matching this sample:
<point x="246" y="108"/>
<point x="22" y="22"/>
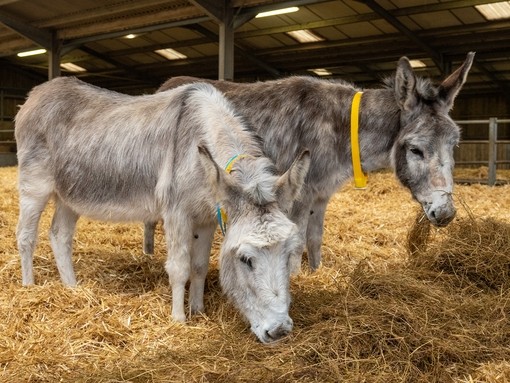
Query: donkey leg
<point x="314" y="233"/>
<point x="203" y="237"/>
<point x="178" y="264"/>
<point x="300" y="217"/>
<point x="62" y="230"/>
<point x="31" y="207"/>
<point x="148" y="237"/>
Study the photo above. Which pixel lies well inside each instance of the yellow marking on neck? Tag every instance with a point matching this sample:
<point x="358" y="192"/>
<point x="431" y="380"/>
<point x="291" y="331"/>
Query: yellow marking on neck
<point x="360" y="178"/>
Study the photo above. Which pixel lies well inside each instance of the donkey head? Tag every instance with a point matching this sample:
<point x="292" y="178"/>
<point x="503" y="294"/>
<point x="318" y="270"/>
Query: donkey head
<point x="254" y="257"/>
<point x="423" y="152"/>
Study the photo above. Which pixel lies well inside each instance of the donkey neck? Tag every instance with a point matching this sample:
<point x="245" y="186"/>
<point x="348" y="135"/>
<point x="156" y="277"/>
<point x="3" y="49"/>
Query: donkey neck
<point x="378" y="128"/>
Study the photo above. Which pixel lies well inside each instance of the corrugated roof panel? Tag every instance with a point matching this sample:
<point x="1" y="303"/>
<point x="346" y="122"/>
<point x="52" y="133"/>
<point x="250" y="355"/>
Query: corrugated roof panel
<point x="331" y="33"/>
<point x="468" y="15"/>
<point x="384" y="26"/>
<point x="332" y="9"/>
<point x="435" y="19"/>
<point x="359" y="29"/>
<point x="207" y="49"/>
<point x="263" y="42"/>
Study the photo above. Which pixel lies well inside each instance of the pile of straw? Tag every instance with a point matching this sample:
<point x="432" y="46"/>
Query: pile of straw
<point x="394" y="301"/>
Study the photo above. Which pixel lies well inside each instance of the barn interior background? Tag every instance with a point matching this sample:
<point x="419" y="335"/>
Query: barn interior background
<point x="114" y="328"/>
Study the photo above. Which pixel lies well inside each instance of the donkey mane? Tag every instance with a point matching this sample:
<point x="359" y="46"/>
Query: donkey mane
<point x="255" y="173"/>
<point x="216" y="100"/>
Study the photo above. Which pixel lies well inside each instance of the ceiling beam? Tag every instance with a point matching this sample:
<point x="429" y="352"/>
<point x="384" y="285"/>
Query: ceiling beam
<point x="212" y="8"/>
<point x="133" y="73"/>
<point x="39" y="36"/>
<point x="116" y="24"/>
<point x="94" y="14"/>
<point x="222" y="13"/>
<point x="255" y="60"/>
<point x="76" y="42"/>
<point x="434" y="55"/>
<point x="505" y="89"/>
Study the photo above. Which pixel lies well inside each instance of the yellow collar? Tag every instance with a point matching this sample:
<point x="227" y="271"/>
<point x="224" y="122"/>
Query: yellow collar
<point x="360" y="178"/>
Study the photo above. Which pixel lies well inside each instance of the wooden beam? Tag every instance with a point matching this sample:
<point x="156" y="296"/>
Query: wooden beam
<point x="434" y="55"/>
<point x="215" y="9"/>
<point x="39" y="36"/>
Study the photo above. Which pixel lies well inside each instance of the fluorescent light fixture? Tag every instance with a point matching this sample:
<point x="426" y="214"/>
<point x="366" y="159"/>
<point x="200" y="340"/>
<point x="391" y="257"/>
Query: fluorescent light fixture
<point x="495" y="11"/>
<point x="277" y="12"/>
<point x="72" y="67"/>
<point x="32" y="53"/>
<point x="321" y="72"/>
<point x="130" y="36"/>
<point x="305" y="36"/>
<point x="417" y="64"/>
<point x="171" y="54"/>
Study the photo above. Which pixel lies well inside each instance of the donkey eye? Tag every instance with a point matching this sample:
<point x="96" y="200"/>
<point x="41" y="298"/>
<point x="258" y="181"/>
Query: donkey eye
<point x="416" y="152"/>
<point x="247" y="261"/>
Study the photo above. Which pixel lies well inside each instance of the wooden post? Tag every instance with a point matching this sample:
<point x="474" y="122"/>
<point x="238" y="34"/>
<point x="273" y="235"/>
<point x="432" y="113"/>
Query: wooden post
<point x="54" y="57"/>
<point x="493" y="149"/>
<point x="226" y="50"/>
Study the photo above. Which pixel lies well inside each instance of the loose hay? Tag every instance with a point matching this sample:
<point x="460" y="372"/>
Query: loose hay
<point x="418" y="236"/>
<point x="374" y="312"/>
<point x="473" y="251"/>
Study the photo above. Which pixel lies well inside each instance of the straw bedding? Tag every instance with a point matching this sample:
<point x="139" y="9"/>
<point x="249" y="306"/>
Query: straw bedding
<point x="394" y="301"/>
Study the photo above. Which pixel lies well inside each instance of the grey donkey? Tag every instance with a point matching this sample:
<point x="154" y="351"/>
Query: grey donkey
<point x="116" y="157"/>
<point x="404" y="126"/>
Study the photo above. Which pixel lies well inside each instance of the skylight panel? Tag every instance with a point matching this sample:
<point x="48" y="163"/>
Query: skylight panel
<point x="417" y="64"/>
<point x="321" y="72"/>
<point x="171" y="54"/>
<point x="495" y="11"/>
<point x="71" y="67"/>
<point x="305" y="36"/>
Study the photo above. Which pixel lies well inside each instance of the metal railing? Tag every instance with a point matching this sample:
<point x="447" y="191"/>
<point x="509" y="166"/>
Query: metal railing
<point x="492" y="143"/>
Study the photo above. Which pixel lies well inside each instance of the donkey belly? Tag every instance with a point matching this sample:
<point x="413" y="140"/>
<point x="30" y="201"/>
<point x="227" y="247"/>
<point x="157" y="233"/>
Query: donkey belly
<point x="117" y="211"/>
<point x="110" y="194"/>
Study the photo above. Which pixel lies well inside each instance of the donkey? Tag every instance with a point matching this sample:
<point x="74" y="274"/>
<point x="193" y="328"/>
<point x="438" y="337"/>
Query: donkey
<point x="116" y="157"/>
<point x="404" y="126"/>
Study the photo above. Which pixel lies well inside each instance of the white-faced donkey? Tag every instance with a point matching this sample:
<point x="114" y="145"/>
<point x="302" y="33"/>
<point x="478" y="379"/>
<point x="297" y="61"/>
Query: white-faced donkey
<point x="405" y="126"/>
<point x="116" y="157"/>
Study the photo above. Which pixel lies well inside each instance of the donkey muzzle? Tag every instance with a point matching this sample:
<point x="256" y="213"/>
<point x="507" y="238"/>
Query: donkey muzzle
<point x="440" y="211"/>
<point x="276" y="330"/>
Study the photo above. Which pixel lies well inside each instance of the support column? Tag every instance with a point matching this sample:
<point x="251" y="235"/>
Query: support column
<point x="493" y="150"/>
<point x="226" y="51"/>
<point x="54" y="57"/>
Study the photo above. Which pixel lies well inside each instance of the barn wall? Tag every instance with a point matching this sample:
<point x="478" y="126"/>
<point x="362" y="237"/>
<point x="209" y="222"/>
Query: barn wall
<point x="14" y="85"/>
<point x="481" y="108"/>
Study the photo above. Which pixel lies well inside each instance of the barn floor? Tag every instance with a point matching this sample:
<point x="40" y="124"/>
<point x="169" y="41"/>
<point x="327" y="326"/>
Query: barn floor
<point x="369" y="314"/>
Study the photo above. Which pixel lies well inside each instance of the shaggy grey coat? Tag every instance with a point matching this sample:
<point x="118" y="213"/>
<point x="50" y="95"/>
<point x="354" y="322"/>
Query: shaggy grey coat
<point x="404" y="126"/>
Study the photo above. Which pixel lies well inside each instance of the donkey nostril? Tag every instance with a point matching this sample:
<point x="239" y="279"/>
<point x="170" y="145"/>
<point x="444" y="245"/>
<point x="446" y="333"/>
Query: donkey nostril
<point x="278" y="332"/>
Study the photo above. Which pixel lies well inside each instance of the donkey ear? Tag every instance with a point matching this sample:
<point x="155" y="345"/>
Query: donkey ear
<point x="405" y="85"/>
<point x="450" y="87"/>
<point x="289" y="185"/>
<point x="221" y="185"/>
